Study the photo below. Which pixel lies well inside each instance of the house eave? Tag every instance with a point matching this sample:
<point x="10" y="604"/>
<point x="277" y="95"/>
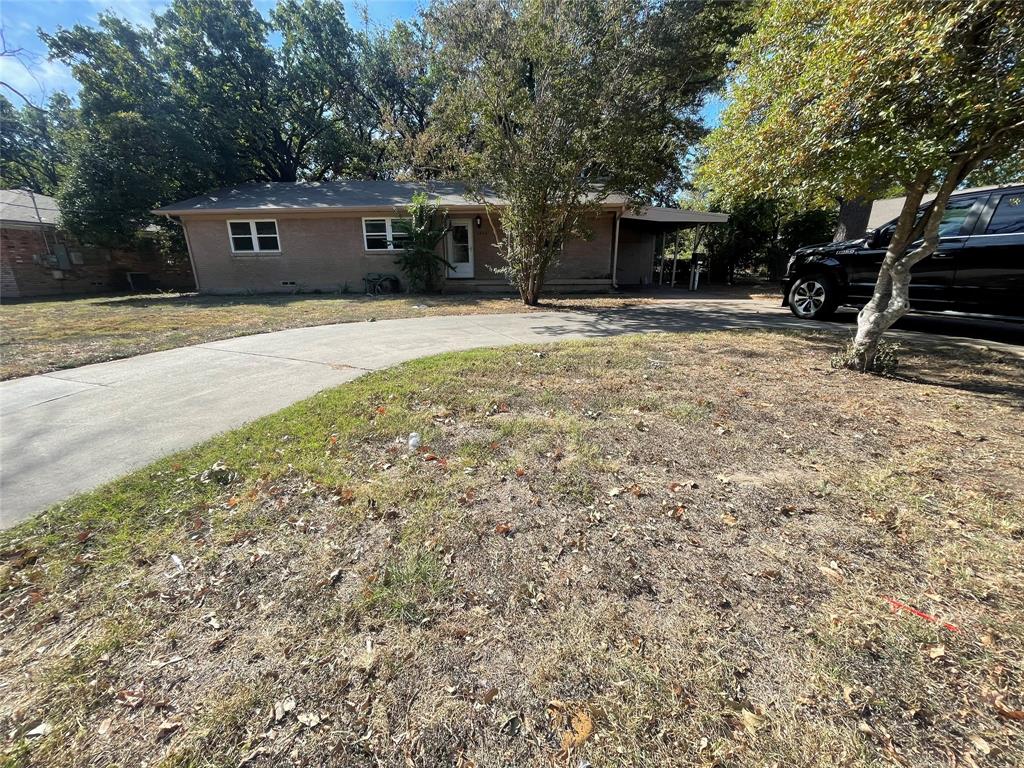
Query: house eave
<point x="329" y="210"/>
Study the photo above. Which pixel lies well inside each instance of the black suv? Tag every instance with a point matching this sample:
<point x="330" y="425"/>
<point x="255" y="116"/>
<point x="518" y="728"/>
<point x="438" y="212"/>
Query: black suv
<point x="977" y="268"/>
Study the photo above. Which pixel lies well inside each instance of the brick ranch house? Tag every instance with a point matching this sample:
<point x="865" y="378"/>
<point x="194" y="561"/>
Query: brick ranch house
<point x="328" y="236"/>
<point x="38" y="258"/>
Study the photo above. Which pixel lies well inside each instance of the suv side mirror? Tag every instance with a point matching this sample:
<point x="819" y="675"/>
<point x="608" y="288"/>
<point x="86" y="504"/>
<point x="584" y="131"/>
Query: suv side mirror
<point x="878" y="238"/>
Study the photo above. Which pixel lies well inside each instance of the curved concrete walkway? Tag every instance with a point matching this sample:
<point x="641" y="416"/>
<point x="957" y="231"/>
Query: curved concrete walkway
<point x="70" y="431"/>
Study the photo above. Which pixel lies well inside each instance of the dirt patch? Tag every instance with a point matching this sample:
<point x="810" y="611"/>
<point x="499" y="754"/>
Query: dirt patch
<point x="699" y="550"/>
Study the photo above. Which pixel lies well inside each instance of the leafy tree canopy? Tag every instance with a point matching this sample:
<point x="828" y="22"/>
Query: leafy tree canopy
<point x="33" y="143"/>
<point x="214" y="94"/>
<point x="554" y="106"/>
<point x="842" y="98"/>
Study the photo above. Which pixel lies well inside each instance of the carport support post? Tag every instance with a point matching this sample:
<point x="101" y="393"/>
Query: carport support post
<point x="675" y="260"/>
<point x="615" y="252"/>
<point x="696" y="242"/>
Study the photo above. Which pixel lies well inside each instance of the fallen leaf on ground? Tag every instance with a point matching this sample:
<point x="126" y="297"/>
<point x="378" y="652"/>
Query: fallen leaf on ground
<point x="999" y="705"/>
<point x="488" y="696"/>
<point x="751" y="720"/>
<point x="980" y="744"/>
<point x="309" y="719"/>
<point x="40" y="730"/>
<point x="282" y="708"/>
<point x="936" y="651"/>
<point x="831" y="574"/>
<point x="730" y="519"/>
<point x="167" y="727"/>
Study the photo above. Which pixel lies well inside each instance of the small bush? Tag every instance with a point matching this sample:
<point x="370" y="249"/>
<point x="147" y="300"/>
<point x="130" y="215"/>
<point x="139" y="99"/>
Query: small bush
<point x="886" y="360"/>
<point x="419" y="260"/>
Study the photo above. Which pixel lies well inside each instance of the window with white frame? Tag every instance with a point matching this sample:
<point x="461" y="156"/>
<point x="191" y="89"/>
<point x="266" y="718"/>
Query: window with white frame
<point x="256" y="236"/>
<point x="385" y="234"/>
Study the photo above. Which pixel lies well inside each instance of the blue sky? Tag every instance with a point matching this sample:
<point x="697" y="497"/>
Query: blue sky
<point x="36" y="77"/>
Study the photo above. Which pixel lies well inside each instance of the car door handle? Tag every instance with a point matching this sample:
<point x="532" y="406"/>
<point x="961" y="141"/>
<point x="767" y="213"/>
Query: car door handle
<point x="941" y="256"/>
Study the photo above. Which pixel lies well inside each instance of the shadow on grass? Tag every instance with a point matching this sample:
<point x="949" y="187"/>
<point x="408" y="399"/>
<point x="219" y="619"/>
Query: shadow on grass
<point x="941" y="361"/>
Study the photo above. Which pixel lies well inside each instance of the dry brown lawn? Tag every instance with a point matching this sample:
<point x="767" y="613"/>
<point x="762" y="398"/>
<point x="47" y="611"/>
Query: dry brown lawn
<point x="48" y="335"/>
<point x="668" y="550"/>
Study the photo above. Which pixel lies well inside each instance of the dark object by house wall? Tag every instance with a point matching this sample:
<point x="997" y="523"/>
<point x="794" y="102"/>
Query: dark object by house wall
<point x="40" y="261"/>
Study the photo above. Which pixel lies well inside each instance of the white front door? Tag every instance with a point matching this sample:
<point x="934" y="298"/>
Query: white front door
<point x="459" y="249"/>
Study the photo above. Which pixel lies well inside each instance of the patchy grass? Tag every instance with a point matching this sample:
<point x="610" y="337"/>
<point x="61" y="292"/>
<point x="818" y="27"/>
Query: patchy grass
<point x="668" y="549"/>
<point x="47" y="335"/>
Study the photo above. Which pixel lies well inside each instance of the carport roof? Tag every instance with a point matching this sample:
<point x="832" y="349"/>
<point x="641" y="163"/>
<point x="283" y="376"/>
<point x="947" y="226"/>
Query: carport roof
<point x="676" y="216"/>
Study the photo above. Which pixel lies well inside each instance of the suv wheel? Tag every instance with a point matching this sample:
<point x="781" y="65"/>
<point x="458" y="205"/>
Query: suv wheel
<point x="813" y="297"/>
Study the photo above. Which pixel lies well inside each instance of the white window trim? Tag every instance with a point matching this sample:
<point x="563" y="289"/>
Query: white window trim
<point x="388" y="231"/>
<point x="255" y="239"/>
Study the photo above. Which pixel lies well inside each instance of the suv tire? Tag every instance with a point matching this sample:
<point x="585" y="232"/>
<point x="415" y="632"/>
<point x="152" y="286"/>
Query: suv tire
<point x="813" y="297"/>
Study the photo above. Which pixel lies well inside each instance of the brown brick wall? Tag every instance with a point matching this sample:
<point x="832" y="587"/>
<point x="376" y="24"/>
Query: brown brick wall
<point x="24" y="271"/>
<point x="325" y="252"/>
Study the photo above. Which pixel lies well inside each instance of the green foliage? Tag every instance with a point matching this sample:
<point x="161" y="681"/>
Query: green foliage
<point x="552" y="107"/>
<point x="839" y="98"/>
<point x="762" y="233"/>
<point x="884" y="362"/>
<point x="399" y="83"/>
<point x="420" y="260"/>
<point x="214" y="94"/>
<point x="34" y="143"/>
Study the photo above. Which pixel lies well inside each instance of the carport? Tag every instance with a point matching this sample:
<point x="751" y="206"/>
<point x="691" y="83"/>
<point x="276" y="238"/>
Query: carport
<point x="640" y="238"/>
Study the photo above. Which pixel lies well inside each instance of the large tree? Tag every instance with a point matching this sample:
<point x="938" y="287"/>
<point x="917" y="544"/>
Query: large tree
<point x="212" y="94"/>
<point x="34" y="143"/>
<point x="398" y="82"/>
<point x="838" y="98"/>
<point x="554" y="105"/>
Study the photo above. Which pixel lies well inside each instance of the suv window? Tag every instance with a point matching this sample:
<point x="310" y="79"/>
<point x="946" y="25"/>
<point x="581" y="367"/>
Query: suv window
<point x="952" y="222"/>
<point x="1008" y="215"/>
<point x="955" y="215"/>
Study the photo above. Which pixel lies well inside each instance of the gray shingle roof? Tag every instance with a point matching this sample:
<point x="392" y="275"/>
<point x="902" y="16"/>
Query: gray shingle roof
<point x="310" y="195"/>
<point x="20" y="207"/>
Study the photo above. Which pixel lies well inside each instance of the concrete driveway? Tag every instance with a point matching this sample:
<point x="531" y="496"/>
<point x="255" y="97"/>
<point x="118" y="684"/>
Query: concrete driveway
<point x="70" y="431"/>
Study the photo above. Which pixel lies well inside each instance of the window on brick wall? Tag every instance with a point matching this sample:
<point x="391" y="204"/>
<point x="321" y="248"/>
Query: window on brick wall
<point x="387" y="234"/>
<point x="254" y="236"/>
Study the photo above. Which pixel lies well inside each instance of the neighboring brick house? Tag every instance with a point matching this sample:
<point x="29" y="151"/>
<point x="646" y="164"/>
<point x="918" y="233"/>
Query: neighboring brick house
<point x="37" y="258"/>
<point x="328" y="236"/>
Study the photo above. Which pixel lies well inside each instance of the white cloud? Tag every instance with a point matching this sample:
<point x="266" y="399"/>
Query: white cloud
<point x="36" y="78"/>
<point x="136" y="11"/>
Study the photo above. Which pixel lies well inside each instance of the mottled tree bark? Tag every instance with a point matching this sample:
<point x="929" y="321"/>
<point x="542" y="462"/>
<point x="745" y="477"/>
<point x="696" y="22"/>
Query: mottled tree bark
<point x="891" y="298"/>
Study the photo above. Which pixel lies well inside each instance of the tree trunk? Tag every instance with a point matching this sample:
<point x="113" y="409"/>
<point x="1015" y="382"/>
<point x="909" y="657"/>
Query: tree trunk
<point x="529" y="289"/>
<point x="891" y="298"/>
<point x="853" y="219"/>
